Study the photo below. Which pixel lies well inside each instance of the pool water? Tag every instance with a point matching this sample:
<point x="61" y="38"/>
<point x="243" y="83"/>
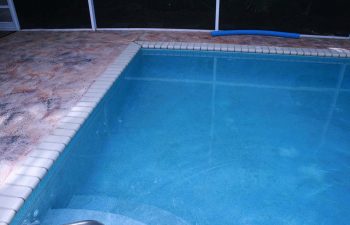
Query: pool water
<point x="209" y="138"/>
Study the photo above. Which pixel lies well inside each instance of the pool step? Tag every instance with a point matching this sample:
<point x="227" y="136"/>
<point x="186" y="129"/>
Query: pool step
<point x="65" y="216"/>
<point x="86" y="222"/>
<point x="141" y="212"/>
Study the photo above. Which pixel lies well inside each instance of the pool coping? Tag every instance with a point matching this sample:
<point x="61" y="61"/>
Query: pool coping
<point x="329" y="52"/>
<point x="24" y="179"/>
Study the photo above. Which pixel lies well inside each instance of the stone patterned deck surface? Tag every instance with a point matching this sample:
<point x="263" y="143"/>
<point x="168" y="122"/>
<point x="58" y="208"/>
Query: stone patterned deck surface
<point x="43" y="74"/>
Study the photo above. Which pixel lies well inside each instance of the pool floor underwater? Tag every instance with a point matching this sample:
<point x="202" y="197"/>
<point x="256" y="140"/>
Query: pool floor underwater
<point x="210" y="139"/>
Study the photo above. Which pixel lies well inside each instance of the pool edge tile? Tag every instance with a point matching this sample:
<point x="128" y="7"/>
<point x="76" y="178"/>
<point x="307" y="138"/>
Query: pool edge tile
<point x="70" y="119"/>
<point x="15" y="191"/>
<point x="57" y="139"/>
<point x="38" y="162"/>
<point x="8" y="202"/>
<point x="23" y="180"/>
<point x="31" y="171"/>
<point x="51" y="146"/>
<point x="341" y="53"/>
<point x="6" y="215"/>
<point x="38" y="153"/>
<point x="63" y="132"/>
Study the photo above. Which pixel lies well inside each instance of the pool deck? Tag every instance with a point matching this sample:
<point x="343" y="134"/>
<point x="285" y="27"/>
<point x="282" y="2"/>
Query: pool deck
<point x="44" y="74"/>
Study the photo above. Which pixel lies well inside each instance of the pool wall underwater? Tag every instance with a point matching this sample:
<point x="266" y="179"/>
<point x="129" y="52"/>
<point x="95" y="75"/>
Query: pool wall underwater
<point x="29" y="183"/>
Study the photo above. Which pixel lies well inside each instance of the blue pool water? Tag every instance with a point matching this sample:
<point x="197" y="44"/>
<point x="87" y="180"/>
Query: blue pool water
<point x="198" y="138"/>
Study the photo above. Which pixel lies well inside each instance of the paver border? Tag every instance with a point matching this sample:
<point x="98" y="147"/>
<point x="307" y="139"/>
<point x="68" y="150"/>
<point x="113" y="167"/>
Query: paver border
<point x="23" y="180"/>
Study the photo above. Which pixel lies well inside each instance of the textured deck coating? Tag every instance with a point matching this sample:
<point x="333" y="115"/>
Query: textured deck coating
<point x="43" y="74"/>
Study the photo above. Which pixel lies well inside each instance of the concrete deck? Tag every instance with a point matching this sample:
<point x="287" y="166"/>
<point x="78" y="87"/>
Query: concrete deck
<point x="43" y="74"/>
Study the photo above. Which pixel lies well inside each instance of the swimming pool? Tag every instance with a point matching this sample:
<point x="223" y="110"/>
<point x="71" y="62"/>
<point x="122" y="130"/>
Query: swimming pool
<point x="191" y="137"/>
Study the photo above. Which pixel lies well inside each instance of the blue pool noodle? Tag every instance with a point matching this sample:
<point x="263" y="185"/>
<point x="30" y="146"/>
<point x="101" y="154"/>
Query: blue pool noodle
<point x="255" y="32"/>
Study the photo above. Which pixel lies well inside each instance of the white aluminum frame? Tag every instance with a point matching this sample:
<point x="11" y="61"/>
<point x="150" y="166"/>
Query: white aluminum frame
<point x="152" y="29"/>
<point x="217" y="15"/>
<point x="14" y="25"/>
<point x="54" y="29"/>
<point x="14" y="14"/>
<point x="92" y="14"/>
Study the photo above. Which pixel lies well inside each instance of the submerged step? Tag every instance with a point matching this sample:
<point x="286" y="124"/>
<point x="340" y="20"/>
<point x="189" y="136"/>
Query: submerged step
<point x="66" y="216"/>
<point x="85" y="222"/>
<point x="148" y="214"/>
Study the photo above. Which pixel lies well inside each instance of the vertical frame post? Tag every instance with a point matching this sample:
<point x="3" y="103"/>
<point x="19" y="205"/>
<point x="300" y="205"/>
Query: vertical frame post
<point x="13" y="14"/>
<point x="92" y="14"/>
<point x="217" y="15"/>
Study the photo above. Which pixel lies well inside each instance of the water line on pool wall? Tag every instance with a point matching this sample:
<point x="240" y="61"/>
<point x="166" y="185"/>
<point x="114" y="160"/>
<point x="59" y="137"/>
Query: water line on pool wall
<point x="255" y="32"/>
